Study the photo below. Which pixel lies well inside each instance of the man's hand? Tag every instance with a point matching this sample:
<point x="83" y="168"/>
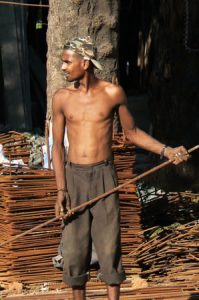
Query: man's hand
<point x="62" y="205"/>
<point x="177" y="155"/>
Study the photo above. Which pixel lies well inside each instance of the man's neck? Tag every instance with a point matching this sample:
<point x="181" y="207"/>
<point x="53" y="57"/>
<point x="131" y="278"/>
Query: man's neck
<point x="87" y="83"/>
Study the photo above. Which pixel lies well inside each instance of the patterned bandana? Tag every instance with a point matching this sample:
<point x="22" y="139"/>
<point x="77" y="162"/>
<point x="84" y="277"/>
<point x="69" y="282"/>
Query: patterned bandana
<point x="85" y="48"/>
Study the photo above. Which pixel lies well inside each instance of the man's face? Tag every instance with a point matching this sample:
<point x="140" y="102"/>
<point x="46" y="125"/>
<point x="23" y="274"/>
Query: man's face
<point x="72" y="65"/>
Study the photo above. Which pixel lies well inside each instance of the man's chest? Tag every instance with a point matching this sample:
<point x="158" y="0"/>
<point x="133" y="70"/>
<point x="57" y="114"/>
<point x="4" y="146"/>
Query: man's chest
<point x="94" y="110"/>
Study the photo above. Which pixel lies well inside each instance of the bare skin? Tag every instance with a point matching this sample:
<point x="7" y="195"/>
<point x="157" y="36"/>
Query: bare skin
<point x="87" y="108"/>
<point x="79" y="293"/>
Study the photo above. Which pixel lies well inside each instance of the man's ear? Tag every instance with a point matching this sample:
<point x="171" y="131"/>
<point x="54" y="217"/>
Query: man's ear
<point x="86" y="64"/>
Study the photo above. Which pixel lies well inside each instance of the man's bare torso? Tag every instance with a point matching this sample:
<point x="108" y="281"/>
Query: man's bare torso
<point x="89" y="123"/>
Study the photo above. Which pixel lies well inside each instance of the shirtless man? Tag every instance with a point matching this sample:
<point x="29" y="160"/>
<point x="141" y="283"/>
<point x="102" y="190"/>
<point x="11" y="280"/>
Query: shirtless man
<point x="87" y="108"/>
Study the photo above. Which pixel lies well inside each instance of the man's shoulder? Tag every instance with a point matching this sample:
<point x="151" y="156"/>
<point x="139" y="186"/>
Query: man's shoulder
<point x="62" y="93"/>
<point x="110" y="87"/>
<point x="114" y="91"/>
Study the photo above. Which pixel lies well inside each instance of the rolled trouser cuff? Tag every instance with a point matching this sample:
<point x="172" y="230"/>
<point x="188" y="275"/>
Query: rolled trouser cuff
<point x="73" y="281"/>
<point x="112" y="279"/>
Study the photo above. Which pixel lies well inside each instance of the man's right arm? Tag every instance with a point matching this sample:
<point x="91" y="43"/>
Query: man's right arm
<point x="58" y="152"/>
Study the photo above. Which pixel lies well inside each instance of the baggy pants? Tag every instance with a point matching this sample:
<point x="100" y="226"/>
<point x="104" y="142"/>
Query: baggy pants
<point x="99" y="223"/>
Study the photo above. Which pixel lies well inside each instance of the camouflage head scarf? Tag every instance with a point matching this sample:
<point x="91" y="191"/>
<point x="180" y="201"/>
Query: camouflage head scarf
<point x="85" y="48"/>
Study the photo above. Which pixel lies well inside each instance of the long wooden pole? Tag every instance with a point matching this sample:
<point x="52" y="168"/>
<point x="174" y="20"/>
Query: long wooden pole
<point x="89" y="202"/>
<point x="23" y="4"/>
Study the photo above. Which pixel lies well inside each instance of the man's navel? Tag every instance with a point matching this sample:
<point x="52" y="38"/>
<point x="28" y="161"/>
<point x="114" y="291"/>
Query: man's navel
<point x="84" y="154"/>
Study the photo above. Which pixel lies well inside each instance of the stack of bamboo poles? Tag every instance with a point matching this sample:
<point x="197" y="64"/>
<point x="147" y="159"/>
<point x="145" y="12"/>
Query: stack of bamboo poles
<point x="15" y="146"/>
<point x="27" y="199"/>
<point x="172" y="255"/>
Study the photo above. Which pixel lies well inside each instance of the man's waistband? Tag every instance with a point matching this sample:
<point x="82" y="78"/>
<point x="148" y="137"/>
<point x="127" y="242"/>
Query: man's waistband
<point x="105" y="162"/>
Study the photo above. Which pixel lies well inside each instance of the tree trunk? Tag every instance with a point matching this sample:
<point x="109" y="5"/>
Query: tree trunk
<point x="73" y="18"/>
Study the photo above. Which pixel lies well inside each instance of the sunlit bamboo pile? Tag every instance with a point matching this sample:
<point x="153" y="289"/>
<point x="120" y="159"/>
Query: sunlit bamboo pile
<point x="27" y="199"/>
<point x="15" y="145"/>
<point x="171" y="255"/>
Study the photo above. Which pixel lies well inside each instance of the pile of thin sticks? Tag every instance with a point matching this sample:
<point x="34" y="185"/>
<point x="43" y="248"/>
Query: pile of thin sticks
<point x="27" y="198"/>
<point x="15" y="146"/>
<point x="172" y="255"/>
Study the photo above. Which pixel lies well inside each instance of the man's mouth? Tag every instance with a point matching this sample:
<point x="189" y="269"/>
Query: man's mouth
<point x="66" y="75"/>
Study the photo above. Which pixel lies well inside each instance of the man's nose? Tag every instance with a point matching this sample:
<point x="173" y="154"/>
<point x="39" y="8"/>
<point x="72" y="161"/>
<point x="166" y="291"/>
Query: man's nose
<point x="63" y="67"/>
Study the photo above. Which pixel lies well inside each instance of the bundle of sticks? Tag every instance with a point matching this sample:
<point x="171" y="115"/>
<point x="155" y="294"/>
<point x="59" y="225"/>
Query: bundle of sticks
<point x="171" y="255"/>
<point x="15" y="145"/>
<point x="27" y="198"/>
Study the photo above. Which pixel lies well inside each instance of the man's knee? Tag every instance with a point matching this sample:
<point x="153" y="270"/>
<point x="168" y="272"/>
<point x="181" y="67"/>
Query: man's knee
<point x="76" y="281"/>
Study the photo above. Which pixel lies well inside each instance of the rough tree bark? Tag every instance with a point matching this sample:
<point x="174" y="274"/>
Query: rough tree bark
<point x="72" y="18"/>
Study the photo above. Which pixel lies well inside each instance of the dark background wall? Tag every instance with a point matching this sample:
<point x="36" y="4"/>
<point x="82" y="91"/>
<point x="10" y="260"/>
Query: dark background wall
<point x="15" y="92"/>
<point x="23" y="67"/>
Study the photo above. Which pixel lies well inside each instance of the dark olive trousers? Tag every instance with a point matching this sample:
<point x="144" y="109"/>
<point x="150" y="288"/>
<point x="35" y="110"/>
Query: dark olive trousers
<point x="99" y="223"/>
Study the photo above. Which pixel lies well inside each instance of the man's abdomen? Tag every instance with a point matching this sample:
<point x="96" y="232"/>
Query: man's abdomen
<point x="89" y="145"/>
